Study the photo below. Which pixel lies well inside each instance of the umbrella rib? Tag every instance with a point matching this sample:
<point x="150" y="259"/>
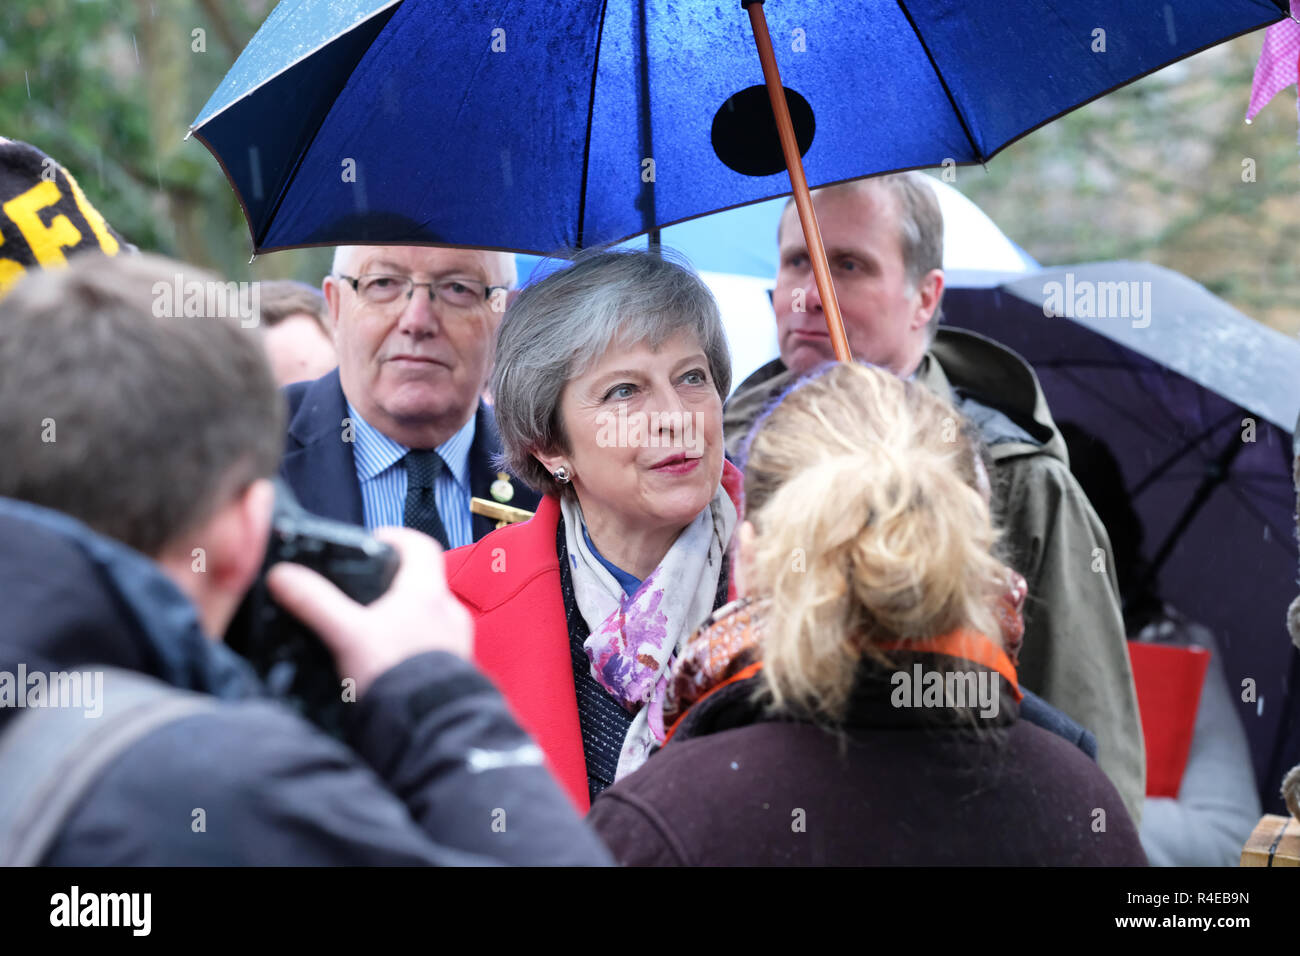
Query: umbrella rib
<point x="1066" y="366"/>
<point x="1212" y="479"/>
<point x="286" y="68"/>
<point x="979" y="153"/>
<point x="591" y="111"/>
<point x="274" y="207"/>
<point x="1169" y="462"/>
<point x="1287" y="540"/>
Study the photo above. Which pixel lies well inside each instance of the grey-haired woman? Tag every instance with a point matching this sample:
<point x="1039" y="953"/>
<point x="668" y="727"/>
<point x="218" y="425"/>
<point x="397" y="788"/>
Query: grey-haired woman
<point x="608" y="385"/>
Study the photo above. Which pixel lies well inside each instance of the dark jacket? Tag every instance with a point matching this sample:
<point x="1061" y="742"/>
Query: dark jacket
<point x="1075" y="652"/>
<point x="319" y="468"/>
<point x="736" y="786"/>
<point x="273" y="789"/>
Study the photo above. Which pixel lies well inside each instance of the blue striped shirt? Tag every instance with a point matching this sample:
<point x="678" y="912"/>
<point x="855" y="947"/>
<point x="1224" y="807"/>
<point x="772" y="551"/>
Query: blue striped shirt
<point x="382" y="476"/>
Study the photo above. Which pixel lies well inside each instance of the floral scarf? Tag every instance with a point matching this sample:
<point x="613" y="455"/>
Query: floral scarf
<point x="727" y="647"/>
<point x="635" y="640"/>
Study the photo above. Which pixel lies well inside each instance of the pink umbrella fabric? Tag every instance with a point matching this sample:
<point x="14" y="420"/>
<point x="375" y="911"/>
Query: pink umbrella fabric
<point x="1278" y="65"/>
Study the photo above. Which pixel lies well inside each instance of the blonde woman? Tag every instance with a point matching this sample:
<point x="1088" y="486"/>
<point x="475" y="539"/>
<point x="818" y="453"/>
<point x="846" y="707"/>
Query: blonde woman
<point x="858" y="706"/>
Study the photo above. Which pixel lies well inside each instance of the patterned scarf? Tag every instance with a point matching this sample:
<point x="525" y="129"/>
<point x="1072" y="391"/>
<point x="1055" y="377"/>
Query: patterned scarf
<point x="635" y="640"/>
<point x="724" y="646"/>
<point x="728" y="647"/>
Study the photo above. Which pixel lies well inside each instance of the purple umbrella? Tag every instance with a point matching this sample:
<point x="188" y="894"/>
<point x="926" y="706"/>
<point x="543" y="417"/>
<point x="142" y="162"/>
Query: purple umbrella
<point x="1197" y="402"/>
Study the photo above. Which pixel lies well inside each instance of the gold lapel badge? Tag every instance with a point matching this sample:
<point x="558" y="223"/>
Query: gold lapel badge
<point x="503" y="514"/>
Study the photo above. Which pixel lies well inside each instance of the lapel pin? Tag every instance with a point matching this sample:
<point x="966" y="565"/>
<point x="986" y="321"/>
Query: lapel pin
<point x="502" y="490"/>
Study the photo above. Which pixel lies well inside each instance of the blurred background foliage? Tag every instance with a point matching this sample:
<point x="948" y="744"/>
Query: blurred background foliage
<point x="109" y="87"/>
<point x="1153" y="171"/>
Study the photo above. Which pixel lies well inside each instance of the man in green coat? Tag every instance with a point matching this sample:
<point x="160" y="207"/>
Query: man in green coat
<point x="884" y="242"/>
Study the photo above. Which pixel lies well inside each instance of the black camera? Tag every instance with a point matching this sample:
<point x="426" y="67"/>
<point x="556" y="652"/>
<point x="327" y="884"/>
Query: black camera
<point x="295" y="665"/>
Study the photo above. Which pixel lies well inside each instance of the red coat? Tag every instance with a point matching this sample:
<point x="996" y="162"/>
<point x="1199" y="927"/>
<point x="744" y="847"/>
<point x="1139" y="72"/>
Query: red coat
<point x="510" y="582"/>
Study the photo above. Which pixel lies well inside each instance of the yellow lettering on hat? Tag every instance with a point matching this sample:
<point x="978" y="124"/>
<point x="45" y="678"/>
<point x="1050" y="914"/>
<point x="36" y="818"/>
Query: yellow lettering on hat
<point x="47" y="242"/>
<point x="97" y="224"/>
<point x="10" y="272"/>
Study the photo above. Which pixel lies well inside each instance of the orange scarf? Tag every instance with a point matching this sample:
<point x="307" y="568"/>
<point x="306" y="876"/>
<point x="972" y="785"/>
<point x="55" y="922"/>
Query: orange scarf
<point x="725" y="650"/>
<point x="969" y="645"/>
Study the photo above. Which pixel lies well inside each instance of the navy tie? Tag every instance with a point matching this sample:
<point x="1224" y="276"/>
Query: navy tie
<point x="421" y="513"/>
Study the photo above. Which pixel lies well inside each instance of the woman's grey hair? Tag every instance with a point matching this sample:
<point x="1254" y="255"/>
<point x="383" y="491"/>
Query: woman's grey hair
<point x="559" y="326"/>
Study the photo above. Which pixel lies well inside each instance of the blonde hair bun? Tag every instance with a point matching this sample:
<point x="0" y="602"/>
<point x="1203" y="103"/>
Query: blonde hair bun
<point x="863" y="492"/>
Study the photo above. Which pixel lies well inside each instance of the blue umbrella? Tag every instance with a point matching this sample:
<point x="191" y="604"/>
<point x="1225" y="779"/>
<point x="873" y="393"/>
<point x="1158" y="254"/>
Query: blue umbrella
<point x="539" y="127"/>
<point x="742" y="241"/>
<point x="736" y="254"/>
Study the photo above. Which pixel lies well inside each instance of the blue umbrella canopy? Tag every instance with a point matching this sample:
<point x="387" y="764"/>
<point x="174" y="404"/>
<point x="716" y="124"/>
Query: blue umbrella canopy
<point x="736" y="254"/>
<point x="539" y="127"/>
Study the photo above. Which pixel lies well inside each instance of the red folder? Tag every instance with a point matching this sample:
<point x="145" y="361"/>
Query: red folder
<point x="1169" y="681"/>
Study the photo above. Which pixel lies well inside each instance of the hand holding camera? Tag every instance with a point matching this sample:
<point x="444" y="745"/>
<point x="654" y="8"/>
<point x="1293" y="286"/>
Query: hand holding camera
<point x="415" y="615"/>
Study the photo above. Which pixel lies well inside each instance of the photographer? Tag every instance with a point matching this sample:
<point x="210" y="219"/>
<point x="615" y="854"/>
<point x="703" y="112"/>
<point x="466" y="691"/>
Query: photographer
<point x="135" y="509"/>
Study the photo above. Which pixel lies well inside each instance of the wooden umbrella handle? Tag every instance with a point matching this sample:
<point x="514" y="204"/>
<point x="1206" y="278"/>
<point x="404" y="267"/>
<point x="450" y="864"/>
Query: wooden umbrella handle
<point x="802" y="197"/>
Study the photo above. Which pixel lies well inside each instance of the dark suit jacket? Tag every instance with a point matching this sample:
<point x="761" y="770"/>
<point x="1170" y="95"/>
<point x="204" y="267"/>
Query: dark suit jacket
<point x="318" y="464"/>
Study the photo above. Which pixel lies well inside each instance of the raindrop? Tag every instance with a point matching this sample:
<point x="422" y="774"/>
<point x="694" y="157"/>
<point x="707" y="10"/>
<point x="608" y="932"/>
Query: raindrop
<point x="1259" y="706"/>
<point x="29" y="84"/>
<point x="734" y="765"/>
<point x="1169" y="25"/>
<point x="135" y="46"/>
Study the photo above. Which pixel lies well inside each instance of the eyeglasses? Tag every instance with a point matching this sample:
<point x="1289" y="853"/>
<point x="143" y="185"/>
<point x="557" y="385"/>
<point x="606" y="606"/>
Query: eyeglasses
<point x="456" y="291"/>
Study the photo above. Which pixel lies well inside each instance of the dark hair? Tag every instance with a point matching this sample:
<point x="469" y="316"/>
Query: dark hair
<point x="124" y="409"/>
<point x="282" y="298"/>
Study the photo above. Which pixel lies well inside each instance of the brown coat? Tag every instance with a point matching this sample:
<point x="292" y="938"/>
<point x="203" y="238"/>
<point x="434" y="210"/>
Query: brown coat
<point x="908" y="786"/>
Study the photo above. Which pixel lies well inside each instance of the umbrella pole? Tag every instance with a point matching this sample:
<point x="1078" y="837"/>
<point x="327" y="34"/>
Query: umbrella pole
<point x="799" y="183"/>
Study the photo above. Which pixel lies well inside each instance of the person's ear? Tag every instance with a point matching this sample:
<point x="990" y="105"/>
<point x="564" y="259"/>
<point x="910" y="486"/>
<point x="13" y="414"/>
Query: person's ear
<point x="553" y="461"/>
<point x="928" y="293"/>
<point x="330" y="288"/>
<point x="216" y="564"/>
<point x="239" y="534"/>
<point x="742" y="563"/>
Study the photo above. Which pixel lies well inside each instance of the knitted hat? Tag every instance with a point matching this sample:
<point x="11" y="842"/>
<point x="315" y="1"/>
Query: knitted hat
<point x="44" y="215"/>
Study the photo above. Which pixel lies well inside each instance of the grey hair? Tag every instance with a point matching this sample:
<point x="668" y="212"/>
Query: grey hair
<point x="920" y="225"/>
<point x="558" y="327"/>
<point x="507" y="274"/>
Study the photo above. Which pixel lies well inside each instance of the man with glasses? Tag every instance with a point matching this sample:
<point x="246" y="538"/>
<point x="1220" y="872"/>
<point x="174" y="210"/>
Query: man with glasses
<point x="398" y="434"/>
